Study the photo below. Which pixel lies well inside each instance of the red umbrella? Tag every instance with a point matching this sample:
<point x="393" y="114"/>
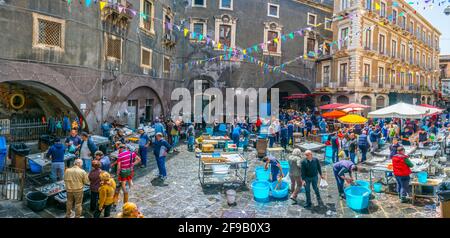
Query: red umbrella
<point x="352" y="106"/>
<point x="334" y="114"/>
<point x="330" y="106"/>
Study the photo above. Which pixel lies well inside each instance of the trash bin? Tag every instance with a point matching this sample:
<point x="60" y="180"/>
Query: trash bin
<point x="45" y="141"/>
<point x="19" y="151"/>
<point x="444" y="198"/>
<point x="2" y="152"/>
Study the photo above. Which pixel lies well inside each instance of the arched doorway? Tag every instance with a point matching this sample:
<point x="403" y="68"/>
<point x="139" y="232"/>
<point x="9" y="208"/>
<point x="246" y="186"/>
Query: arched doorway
<point x="343" y="99"/>
<point x="366" y="100"/>
<point x="424" y="100"/>
<point x="429" y="101"/>
<point x="29" y="109"/>
<point x="381" y="102"/>
<point x="143" y="106"/>
<point x="324" y="100"/>
<point x="294" y="95"/>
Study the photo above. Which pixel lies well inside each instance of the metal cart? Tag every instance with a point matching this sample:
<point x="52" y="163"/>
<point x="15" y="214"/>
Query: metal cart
<point x="234" y="170"/>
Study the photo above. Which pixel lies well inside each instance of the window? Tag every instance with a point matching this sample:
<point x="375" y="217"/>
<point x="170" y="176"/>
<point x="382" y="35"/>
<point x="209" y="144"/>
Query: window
<point x="312" y="19"/>
<point x="417" y="58"/>
<point x="328" y="23"/>
<point x="411" y="27"/>
<point x="326" y="75"/>
<point x="380" y="76"/>
<point x="403" y="51"/>
<point x="393" y="77"/>
<point x="394" y="49"/>
<point x="114" y="48"/>
<point x="146" y="58"/>
<point x="368" y="38"/>
<point x="369" y="5"/>
<point x="382" y="44"/>
<point x="48" y="32"/>
<point x="424" y="61"/>
<point x="345" y="4"/>
<point x="344" y="37"/>
<point x="225" y="35"/>
<point x="146" y="18"/>
<point x="326" y="48"/>
<point x="272" y="46"/>
<point x="382" y="9"/>
<point x="199" y="3"/>
<point x="310" y="45"/>
<point x="403" y="22"/>
<point x="394" y="16"/>
<point x="411" y="55"/>
<point x="343" y="75"/>
<point x="199" y="27"/>
<point x="273" y="10"/>
<point x="166" y="65"/>
<point x="402" y="79"/>
<point x="272" y="31"/>
<point x="168" y="21"/>
<point x="226" y="4"/>
<point x="366" y="78"/>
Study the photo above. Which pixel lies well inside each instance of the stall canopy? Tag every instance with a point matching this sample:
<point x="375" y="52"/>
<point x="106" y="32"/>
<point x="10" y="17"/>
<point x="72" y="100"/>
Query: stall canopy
<point x="404" y="111"/>
<point x="330" y="106"/>
<point x="334" y="114"/>
<point x="347" y="110"/>
<point x="352" y="106"/>
<point x="430" y="106"/>
<point x="352" y="119"/>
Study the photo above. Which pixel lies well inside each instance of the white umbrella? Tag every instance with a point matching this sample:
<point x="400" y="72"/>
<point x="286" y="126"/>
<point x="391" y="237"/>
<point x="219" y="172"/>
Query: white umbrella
<point x="402" y="110"/>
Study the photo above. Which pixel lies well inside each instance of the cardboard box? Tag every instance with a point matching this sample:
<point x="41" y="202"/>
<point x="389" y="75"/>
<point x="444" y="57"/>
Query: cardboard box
<point x="207" y="148"/>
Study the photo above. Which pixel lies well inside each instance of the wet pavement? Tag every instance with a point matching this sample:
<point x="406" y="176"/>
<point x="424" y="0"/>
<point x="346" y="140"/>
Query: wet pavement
<point x="182" y="196"/>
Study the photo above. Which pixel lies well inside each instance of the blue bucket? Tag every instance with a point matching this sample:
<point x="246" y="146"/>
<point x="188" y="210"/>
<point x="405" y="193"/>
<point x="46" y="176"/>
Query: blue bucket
<point x="362" y="183"/>
<point x="357" y="197"/>
<point x="282" y="190"/>
<point x="377" y="187"/>
<point x="422" y="177"/>
<point x="285" y="167"/>
<point x="261" y="191"/>
<point x="262" y="174"/>
<point x="35" y="168"/>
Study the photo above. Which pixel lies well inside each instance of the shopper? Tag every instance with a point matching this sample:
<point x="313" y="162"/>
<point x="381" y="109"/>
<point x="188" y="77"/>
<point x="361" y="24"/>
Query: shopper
<point x="353" y="147"/>
<point x="74" y="179"/>
<point x="106" y="195"/>
<point x="340" y="169"/>
<point x="191" y="137"/>
<point x="160" y="149"/>
<point x="125" y="169"/>
<point x="94" y="179"/>
<point x="175" y="132"/>
<point x="295" y="160"/>
<point x="311" y="169"/>
<point x="144" y="143"/>
<point x="284" y="136"/>
<point x="363" y="145"/>
<point x="56" y="154"/>
<point x="86" y="151"/>
<point x="235" y="135"/>
<point x="105" y="162"/>
<point x="130" y="210"/>
<point x="402" y="171"/>
<point x="334" y="147"/>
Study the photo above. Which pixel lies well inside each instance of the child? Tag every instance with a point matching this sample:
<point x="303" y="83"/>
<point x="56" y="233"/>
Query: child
<point x="275" y="167"/>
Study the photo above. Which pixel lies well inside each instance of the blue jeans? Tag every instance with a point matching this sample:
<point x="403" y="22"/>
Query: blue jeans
<point x="143" y="155"/>
<point x="271" y="141"/>
<point x="275" y="170"/>
<point x="175" y="141"/>
<point x="235" y="139"/>
<point x="334" y="154"/>
<point x="191" y="143"/>
<point x="314" y="182"/>
<point x="161" y="162"/>
<point x="363" y="153"/>
<point x="284" y="142"/>
<point x="352" y="156"/>
<point x="347" y="153"/>
<point x="339" y="181"/>
<point x="402" y="185"/>
<point x="290" y="138"/>
<point x="57" y="169"/>
<point x="87" y="165"/>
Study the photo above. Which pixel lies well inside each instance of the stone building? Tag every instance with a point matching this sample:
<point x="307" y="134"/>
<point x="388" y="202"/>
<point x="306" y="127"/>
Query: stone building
<point x="444" y="81"/>
<point x="383" y="52"/>
<point x="79" y="61"/>
<point x="242" y="24"/>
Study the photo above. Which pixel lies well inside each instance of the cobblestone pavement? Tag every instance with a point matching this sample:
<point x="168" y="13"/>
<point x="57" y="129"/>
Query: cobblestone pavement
<point x="182" y="196"/>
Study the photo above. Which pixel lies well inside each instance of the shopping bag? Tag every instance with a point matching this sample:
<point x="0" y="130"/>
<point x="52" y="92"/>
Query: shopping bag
<point x="323" y="183"/>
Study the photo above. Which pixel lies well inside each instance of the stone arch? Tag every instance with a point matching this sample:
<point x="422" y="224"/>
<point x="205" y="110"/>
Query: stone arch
<point x="342" y="99"/>
<point x="380" y="102"/>
<point x="325" y="99"/>
<point x="429" y="101"/>
<point x="290" y="88"/>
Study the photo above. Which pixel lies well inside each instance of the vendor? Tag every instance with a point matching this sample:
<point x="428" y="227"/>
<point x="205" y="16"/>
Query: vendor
<point x="245" y="134"/>
<point x="235" y="135"/>
<point x="406" y="135"/>
<point x="393" y="147"/>
<point x="73" y="141"/>
<point x="119" y="136"/>
<point x="423" y="136"/>
<point x="339" y="170"/>
<point x="144" y="143"/>
<point x="275" y="167"/>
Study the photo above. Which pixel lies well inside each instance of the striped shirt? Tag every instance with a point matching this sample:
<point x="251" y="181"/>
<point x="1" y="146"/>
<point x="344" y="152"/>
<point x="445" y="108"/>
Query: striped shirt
<point x="124" y="159"/>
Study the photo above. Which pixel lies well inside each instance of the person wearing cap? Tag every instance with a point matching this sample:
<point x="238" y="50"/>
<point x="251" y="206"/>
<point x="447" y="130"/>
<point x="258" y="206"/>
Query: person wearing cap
<point x="94" y="179"/>
<point x="86" y="151"/>
<point x="144" y="143"/>
<point x="160" y="149"/>
<point x="275" y="167"/>
<point x="56" y="154"/>
<point x="106" y="195"/>
<point x="105" y="162"/>
<point x="130" y="210"/>
<point x="339" y="170"/>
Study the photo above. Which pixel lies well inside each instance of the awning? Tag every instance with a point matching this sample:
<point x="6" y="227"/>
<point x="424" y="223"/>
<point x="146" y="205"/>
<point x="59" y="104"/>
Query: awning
<point x="331" y="106"/>
<point x="352" y="119"/>
<point x="404" y="111"/>
<point x="334" y="114"/>
<point x="353" y="106"/>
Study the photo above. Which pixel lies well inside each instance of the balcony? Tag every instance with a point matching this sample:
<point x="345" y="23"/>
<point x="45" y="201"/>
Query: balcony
<point x="168" y="39"/>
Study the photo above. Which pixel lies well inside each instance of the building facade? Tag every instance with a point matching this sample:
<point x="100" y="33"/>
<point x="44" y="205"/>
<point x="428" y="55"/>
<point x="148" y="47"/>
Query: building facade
<point x="75" y="60"/>
<point x="383" y="52"/>
<point x="242" y="24"/>
<point x="444" y="86"/>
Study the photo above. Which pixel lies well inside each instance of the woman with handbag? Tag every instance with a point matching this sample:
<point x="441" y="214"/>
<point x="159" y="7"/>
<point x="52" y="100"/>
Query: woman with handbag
<point x="126" y="161"/>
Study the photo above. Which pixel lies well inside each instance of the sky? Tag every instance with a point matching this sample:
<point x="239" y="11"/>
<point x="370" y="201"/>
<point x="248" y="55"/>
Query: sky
<point x="435" y="14"/>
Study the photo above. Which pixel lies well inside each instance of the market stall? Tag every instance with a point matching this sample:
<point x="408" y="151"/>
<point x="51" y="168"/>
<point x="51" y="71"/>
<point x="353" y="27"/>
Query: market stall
<point x="222" y="167"/>
<point x="40" y="166"/>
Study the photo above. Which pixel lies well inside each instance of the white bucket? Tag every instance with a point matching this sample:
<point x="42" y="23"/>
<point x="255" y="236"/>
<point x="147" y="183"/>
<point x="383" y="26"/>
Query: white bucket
<point x="231" y="197"/>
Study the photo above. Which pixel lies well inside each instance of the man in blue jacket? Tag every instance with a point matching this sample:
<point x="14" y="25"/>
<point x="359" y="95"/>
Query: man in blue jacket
<point x="374" y="136"/>
<point x="56" y="154"/>
<point x="159" y="128"/>
<point x="334" y="147"/>
<point x="106" y="127"/>
<point x="363" y="145"/>
<point x="160" y="149"/>
<point x="87" y="151"/>
<point x="235" y="135"/>
<point x="339" y="170"/>
<point x="144" y="143"/>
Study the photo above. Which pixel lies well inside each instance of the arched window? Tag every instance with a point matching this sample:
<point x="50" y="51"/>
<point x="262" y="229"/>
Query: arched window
<point x="343" y="99"/>
<point x="380" y="102"/>
<point x="325" y="99"/>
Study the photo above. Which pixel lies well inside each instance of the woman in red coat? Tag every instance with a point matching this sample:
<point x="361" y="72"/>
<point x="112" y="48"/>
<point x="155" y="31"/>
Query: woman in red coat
<point x="402" y="170"/>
